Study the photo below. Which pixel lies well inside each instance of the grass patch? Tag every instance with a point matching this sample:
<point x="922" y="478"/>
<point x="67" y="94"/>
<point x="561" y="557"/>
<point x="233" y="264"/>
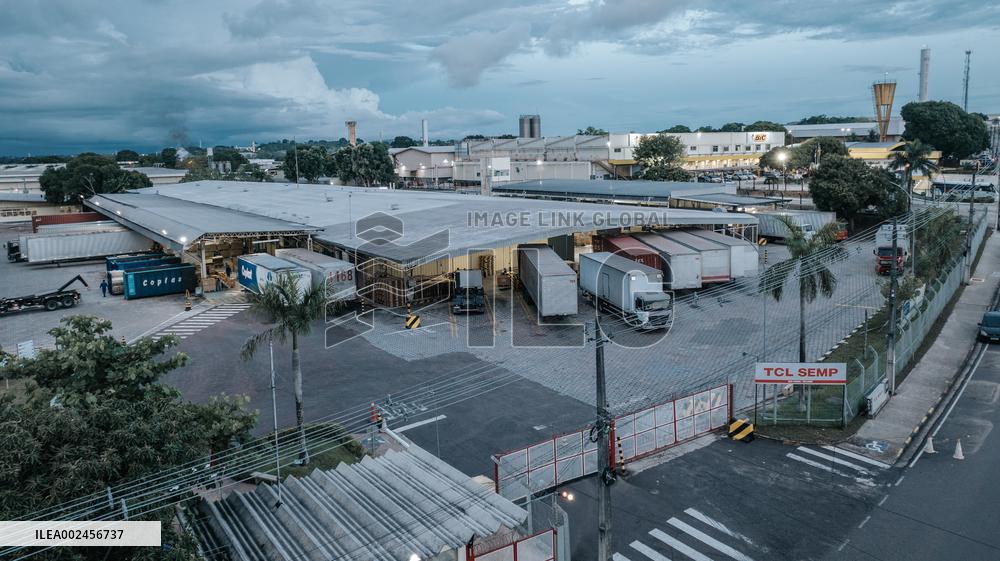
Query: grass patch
<point x="328" y="459"/>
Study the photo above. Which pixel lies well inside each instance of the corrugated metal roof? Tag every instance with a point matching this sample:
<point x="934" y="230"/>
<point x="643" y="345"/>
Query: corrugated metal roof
<point x="425" y="149"/>
<point x="17" y="196"/>
<point x="896" y="127"/>
<point x="387" y="508"/>
<point x="608" y="189"/>
<point x="730" y="200"/>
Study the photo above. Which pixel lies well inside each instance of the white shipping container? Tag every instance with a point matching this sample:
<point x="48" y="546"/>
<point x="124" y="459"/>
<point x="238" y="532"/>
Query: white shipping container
<point x="257" y="270"/>
<point x="549" y="281"/>
<point x="883" y="237"/>
<point x="743" y="260"/>
<point x="44" y="248"/>
<point x="334" y="275"/>
<point x="682" y="265"/>
<point x="77" y="227"/>
<point x="715" y="263"/>
<point x="633" y="288"/>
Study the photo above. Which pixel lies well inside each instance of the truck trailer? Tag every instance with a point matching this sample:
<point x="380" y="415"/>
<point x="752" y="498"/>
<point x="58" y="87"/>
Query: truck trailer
<point x="547" y="279"/>
<point x="629" y="248"/>
<point x="257" y="270"/>
<point x="336" y="276"/>
<point x="47" y="248"/>
<point x="629" y="289"/>
<point x="743" y="261"/>
<point x="715" y="260"/>
<point x="681" y="264"/>
<point x="810" y="221"/>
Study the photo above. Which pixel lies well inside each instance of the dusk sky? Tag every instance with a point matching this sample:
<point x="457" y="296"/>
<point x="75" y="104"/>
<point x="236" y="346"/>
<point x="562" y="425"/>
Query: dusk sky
<point x="108" y="74"/>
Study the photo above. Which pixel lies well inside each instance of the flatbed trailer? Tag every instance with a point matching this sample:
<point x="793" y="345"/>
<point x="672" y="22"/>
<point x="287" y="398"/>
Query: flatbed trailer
<point x="59" y="298"/>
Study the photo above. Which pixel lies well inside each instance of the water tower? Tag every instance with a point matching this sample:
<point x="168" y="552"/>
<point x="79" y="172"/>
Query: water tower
<point x="883" y="93"/>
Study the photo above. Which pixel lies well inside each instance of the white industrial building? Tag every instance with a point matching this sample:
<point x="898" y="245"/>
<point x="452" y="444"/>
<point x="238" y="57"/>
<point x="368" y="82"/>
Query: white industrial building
<point x="847" y="131"/>
<point x="424" y="164"/>
<point x="704" y="151"/>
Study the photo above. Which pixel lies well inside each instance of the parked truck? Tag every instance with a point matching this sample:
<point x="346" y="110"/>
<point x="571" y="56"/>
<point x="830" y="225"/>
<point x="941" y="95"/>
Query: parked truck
<point x="467" y="293"/>
<point x="743" y="261"/>
<point x="62" y="297"/>
<point x="629" y="289"/>
<point x="681" y="264"/>
<point x="810" y="221"/>
<point x="257" y="270"/>
<point x="336" y="276"/>
<point x="883" y="248"/>
<point x="547" y="279"/>
<point x="715" y="261"/>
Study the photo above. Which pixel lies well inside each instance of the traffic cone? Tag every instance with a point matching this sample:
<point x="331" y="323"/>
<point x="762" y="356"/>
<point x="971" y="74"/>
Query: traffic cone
<point x="958" y="455"/>
<point x="929" y="446"/>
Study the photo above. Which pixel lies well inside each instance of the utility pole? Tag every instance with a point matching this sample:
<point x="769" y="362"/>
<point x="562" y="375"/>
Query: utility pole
<point x="602" y="428"/>
<point x="274" y="411"/>
<point x="892" y="313"/>
<point x="965" y="82"/>
<point x="295" y="149"/>
<point x="968" y="239"/>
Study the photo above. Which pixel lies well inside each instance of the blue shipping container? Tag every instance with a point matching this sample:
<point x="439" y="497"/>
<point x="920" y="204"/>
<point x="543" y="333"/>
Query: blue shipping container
<point x="111" y="262"/>
<point x="147" y="263"/>
<point x="156" y="281"/>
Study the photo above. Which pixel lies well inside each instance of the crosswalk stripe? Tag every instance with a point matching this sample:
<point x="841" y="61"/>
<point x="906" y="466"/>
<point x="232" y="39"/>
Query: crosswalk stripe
<point x="648" y="551"/>
<point x="708" y="540"/>
<point x="818" y="465"/>
<point x="857" y="457"/>
<point x="679" y="545"/>
<point x="717" y="525"/>
<point x="834" y="459"/>
<point x="619" y="557"/>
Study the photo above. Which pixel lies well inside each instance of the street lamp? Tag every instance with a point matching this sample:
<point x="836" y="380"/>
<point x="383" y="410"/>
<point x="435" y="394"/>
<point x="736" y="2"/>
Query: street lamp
<point x="783" y="158"/>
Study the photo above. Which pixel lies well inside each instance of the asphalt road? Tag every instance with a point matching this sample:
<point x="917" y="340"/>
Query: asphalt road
<point x="945" y="508"/>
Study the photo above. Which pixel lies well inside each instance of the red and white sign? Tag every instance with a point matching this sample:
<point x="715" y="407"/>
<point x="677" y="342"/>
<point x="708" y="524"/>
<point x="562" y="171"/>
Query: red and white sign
<point x="801" y="373"/>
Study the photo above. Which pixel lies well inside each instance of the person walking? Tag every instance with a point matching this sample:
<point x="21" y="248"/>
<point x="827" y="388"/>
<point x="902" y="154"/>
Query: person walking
<point x="104" y="288"/>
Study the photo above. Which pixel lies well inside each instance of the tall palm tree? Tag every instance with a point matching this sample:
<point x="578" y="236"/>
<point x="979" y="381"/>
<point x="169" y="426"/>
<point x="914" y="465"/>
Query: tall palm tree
<point x="808" y="263"/>
<point x="291" y="311"/>
<point x="913" y="157"/>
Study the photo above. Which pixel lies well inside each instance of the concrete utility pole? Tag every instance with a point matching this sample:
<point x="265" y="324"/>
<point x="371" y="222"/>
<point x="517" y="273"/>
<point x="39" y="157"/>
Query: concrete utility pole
<point x="602" y="428"/>
<point x="892" y="313"/>
<point x="274" y="411"/>
<point x="968" y="239"/>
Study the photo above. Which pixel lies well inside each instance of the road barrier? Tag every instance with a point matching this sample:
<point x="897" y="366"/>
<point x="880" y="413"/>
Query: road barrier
<point x="741" y="429"/>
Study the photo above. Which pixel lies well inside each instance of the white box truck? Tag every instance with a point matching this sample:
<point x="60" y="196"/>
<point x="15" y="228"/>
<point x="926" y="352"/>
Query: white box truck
<point x="715" y="263"/>
<point x="336" y="276"/>
<point x="547" y="279"/>
<point x="681" y="264"/>
<point x="257" y="270"/>
<point x="631" y="289"/>
<point x="743" y="260"/>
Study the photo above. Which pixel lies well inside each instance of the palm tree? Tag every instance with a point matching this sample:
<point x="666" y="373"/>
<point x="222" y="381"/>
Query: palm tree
<point x="808" y="263"/>
<point x="913" y="157"/>
<point x="291" y="311"/>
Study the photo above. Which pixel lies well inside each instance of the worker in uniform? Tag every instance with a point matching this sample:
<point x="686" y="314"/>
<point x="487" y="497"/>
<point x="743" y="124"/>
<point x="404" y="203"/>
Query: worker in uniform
<point x="104" y="288"/>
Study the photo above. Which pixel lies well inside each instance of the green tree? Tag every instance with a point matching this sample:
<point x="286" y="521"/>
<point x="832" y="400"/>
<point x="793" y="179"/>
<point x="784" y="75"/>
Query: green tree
<point x="765" y="126"/>
<point x="169" y="157"/>
<point x="127" y="156"/>
<point x="872" y="136"/>
<point x="732" y="127"/>
<point x="246" y="172"/>
<point x="592" y="131"/>
<point x="772" y="159"/>
<point x="677" y="128"/>
<point x="659" y="155"/>
<point x="825" y="120"/>
<point x="848" y="186"/>
<point x="311" y="163"/>
<point x="291" y="310"/>
<point x="402" y="142"/>
<point x="913" y="157"/>
<point x="366" y="164"/>
<point x="707" y="128"/>
<point x="808" y="267"/>
<point x="946" y="126"/>
<point x="229" y="154"/>
<point x="88" y="174"/>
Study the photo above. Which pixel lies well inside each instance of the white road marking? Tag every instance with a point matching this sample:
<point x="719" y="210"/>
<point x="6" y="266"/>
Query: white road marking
<point x="841" y="548"/>
<point x="857" y="457"/>
<point x="865" y="521"/>
<point x="708" y="540"/>
<point x="898" y="481"/>
<point x="835" y="460"/>
<point x="717" y="525"/>
<point x="880" y="503"/>
<point x="679" y="545"/>
<point x="648" y="551"/>
<point x="619" y="557"/>
<point x="420" y="423"/>
<point x="823" y="467"/>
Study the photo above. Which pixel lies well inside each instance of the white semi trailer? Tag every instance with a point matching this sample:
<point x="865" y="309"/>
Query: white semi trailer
<point x="549" y="281"/>
<point x="715" y="262"/>
<point x="743" y="261"/>
<point x="681" y="264"/>
<point x="630" y="289"/>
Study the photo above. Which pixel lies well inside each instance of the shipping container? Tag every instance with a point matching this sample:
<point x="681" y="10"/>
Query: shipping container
<point x="68" y="218"/>
<point x="810" y="221"/>
<point x="257" y="270"/>
<point x="147" y="263"/>
<point x="743" y="258"/>
<point x="548" y="280"/>
<point x="631" y="289"/>
<point x="714" y="256"/>
<point x="629" y="248"/>
<point x="334" y="275"/>
<point x="111" y="261"/>
<point x="564" y="246"/>
<point x="78" y="227"/>
<point x="682" y="265"/>
<point x="44" y="248"/>
<point x="157" y="281"/>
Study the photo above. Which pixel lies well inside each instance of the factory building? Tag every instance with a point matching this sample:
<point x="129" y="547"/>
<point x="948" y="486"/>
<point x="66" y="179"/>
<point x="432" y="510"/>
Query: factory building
<point x="424" y="165"/>
<point x="846" y="131"/>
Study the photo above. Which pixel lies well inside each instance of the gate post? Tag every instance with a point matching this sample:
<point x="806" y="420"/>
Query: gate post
<point x="611" y="438"/>
<point x="730" y="388"/>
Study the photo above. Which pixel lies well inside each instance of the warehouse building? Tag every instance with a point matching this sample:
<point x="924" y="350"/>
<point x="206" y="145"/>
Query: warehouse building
<point x="424" y="165"/>
<point x="848" y="132"/>
<point x="407" y="240"/>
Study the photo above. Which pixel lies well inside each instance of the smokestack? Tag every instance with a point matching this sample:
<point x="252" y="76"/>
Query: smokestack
<point x="423" y="131"/>
<point x="925" y="63"/>
<point x="352" y="132"/>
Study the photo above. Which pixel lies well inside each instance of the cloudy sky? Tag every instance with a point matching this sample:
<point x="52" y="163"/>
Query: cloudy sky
<point x="109" y="74"/>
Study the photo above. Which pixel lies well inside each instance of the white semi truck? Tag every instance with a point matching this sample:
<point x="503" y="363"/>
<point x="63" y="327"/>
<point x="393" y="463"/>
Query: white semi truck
<point x="630" y="289"/>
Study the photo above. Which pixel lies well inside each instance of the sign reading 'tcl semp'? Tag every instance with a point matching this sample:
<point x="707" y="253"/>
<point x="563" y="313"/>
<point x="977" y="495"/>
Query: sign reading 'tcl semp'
<point x="801" y="373"/>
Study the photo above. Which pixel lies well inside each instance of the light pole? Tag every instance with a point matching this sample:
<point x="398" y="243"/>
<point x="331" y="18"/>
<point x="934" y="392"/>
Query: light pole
<point x="783" y="158"/>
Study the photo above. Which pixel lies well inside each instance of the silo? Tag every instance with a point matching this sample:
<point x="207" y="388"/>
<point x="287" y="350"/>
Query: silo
<point x="535" y="126"/>
<point x="524" y="126"/>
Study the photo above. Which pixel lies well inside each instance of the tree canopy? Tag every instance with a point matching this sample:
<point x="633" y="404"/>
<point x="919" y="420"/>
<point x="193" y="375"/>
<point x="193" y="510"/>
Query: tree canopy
<point x="677" y="128"/>
<point x="366" y="164"/>
<point x="308" y="162"/>
<point x="945" y="126"/>
<point x="822" y="119"/>
<point x="804" y="154"/>
<point x="765" y="126"/>
<point x="659" y="156"/>
<point x="127" y="156"/>
<point x="402" y="142"/>
<point x="169" y="157"/>
<point x="86" y="175"/>
<point x="592" y="131"/>
<point x="229" y="154"/>
<point x="848" y="186"/>
<point x="732" y="127"/>
<point x="246" y="172"/>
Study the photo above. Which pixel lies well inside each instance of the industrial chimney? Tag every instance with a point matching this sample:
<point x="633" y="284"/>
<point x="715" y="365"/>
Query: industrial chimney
<point x="352" y="132"/>
<point x="925" y="63"/>
<point x="423" y="131"/>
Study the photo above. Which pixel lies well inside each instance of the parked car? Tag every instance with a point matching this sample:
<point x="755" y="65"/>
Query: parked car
<point x="989" y="327"/>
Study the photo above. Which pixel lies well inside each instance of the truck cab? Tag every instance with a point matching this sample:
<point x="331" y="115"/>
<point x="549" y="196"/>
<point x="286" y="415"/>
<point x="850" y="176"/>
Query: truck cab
<point x="653" y="309"/>
<point x="883" y="259"/>
<point x="467" y="295"/>
<point x="13" y="250"/>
